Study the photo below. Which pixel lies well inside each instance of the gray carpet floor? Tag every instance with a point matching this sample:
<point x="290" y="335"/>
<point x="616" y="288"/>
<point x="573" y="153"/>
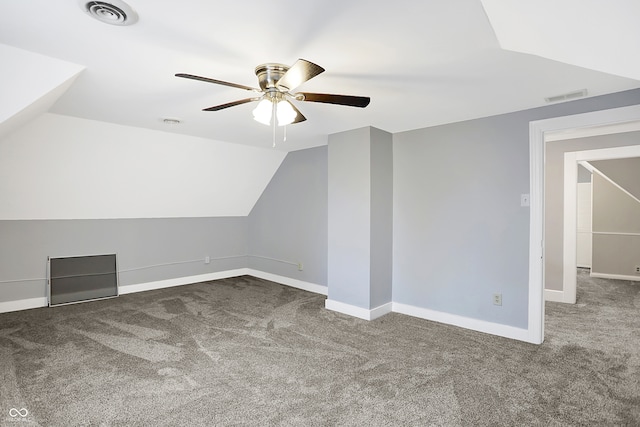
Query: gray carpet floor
<point x="245" y="351"/>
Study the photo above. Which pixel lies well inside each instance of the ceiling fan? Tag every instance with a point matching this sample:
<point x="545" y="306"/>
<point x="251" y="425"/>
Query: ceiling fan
<point x="277" y="82"/>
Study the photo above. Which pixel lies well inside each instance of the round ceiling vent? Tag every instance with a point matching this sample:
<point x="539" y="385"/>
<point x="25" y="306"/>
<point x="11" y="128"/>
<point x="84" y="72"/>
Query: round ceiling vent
<point x="114" y="12"/>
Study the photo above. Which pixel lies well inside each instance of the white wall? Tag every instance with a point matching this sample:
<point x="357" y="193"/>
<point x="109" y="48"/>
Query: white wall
<point x="583" y="236"/>
<point x="61" y="167"/>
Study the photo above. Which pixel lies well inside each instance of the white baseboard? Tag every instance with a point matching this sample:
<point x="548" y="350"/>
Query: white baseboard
<point x="26" y="304"/>
<point x="381" y="310"/>
<point x="464" y="322"/>
<point x="615" y="276"/>
<point x="294" y="283"/>
<point x="351" y="310"/>
<point x="553" y="295"/>
<point x="23" y="304"/>
<point x="359" y="312"/>
<point x="179" y="281"/>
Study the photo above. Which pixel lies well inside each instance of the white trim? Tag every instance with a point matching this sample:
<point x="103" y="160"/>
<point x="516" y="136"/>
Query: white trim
<point x="536" y="237"/>
<point x="593" y="131"/>
<point x="570" y="228"/>
<point x="465" y="322"/>
<point x="381" y="310"/>
<point x="26" y="304"/>
<point x="294" y="283"/>
<point x="537" y="130"/>
<point x="553" y="295"/>
<point x="615" y="276"/>
<point x="23" y="304"/>
<point x="359" y="312"/>
<point x="614" y="233"/>
<point x="179" y="281"/>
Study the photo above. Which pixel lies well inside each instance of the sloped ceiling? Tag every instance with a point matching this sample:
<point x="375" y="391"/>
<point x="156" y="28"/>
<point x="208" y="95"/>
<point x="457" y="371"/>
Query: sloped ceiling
<point x="624" y="172"/>
<point x="30" y="84"/>
<point x="592" y="34"/>
<point x="62" y="167"/>
<point x="422" y="63"/>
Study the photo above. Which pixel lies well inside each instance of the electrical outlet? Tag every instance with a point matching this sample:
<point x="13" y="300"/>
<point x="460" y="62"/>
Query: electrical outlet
<point x="207" y="259"/>
<point x="497" y="299"/>
<point x="300" y="266"/>
<point x="637" y="269"/>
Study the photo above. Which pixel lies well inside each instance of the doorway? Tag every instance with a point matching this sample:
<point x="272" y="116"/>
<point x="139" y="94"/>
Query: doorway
<point x="571" y="161"/>
<point x="541" y="132"/>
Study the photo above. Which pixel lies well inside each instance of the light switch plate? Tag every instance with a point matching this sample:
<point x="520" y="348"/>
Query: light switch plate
<point x="524" y="200"/>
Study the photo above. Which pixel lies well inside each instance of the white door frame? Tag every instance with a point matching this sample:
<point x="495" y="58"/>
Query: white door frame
<point x="540" y="132"/>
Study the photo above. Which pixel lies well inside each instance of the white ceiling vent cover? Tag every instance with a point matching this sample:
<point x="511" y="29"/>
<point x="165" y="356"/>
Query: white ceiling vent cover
<point x="567" y="96"/>
<point x="114" y="12"/>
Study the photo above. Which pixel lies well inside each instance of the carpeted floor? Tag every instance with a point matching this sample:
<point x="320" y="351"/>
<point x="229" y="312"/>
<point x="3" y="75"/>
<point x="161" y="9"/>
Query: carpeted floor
<point x="245" y="351"/>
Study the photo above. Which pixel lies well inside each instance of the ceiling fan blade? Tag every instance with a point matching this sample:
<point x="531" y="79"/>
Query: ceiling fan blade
<point x="219" y="82"/>
<point x="299" y="117"/>
<point x="230" y="104"/>
<point x="297" y="74"/>
<point x="349" y="100"/>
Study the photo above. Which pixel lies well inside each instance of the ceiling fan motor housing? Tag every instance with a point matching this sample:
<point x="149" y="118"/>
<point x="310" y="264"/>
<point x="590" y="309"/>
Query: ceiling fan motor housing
<point x="269" y="74"/>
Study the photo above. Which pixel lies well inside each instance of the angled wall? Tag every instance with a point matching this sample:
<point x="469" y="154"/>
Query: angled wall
<point x="61" y="167"/>
<point x="30" y="84"/>
<point x="288" y="224"/>
<point x="624" y="172"/>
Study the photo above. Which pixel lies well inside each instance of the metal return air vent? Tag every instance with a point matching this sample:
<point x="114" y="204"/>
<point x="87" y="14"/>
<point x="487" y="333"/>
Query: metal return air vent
<point x="114" y="12"/>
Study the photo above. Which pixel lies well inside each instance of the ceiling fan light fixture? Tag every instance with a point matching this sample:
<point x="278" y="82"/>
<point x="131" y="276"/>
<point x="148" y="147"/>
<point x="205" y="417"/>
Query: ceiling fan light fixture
<point x="277" y="81"/>
<point x="285" y="113"/>
<point x="263" y="112"/>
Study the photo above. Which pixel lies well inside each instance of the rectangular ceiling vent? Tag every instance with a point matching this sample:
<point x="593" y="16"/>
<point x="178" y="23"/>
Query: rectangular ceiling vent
<point x="567" y="96"/>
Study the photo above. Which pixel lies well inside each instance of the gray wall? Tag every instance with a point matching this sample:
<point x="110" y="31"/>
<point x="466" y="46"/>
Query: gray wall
<point x="289" y="221"/>
<point x="460" y="234"/>
<point x="554" y="195"/>
<point x="616" y="228"/>
<point x="25" y="245"/>
<point x="584" y="175"/>
<point x="349" y="232"/>
<point x="381" y="171"/>
<point x="459" y="231"/>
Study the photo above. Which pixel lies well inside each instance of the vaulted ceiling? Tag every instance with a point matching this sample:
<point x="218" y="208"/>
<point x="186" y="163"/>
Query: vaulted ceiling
<point x="422" y="63"/>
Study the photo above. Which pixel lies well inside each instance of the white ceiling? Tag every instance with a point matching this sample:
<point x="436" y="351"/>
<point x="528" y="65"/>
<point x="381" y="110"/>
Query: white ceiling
<point x="422" y="63"/>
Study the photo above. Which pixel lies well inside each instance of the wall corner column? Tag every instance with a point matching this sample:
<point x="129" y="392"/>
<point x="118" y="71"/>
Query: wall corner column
<point x="360" y="222"/>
